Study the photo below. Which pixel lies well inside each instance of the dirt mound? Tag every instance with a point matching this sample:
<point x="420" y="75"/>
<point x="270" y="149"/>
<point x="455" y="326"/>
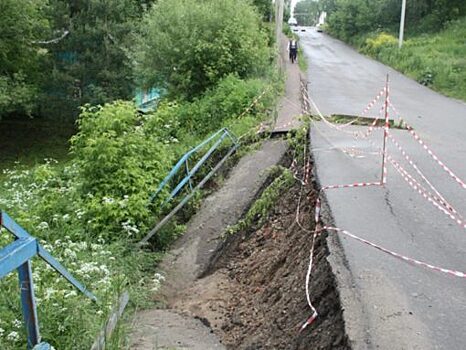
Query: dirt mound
<point x="254" y="295"/>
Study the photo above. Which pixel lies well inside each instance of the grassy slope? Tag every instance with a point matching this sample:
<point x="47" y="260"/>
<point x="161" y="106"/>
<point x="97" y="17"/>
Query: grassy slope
<point x="436" y="60"/>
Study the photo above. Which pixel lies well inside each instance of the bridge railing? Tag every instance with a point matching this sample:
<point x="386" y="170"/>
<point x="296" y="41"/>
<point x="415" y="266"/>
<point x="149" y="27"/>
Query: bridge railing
<point x="215" y="140"/>
<point x="17" y="256"/>
<point x="221" y="136"/>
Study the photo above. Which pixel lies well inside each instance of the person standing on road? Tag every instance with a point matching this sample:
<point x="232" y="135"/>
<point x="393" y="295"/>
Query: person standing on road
<point x="293" y="50"/>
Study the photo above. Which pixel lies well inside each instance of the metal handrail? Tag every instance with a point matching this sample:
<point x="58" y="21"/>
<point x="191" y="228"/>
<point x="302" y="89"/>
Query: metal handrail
<point x="18" y="255"/>
<point x="220" y="135"/>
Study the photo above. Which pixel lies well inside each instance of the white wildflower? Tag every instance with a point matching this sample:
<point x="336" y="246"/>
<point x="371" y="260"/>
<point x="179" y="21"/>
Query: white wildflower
<point x="108" y="200"/>
<point x="129" y="228"/>
<point x="43" y="226"/>
<point x="69" y="253"/>
<point x="13" y="336"/>
<point x="157" y="281"/>
<point x="71" y="294"/>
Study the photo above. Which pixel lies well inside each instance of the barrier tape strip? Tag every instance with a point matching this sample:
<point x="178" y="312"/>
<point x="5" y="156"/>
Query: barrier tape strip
<point x="423" y="192"/>
<point x="453" y="273"/>
<point x="438" y="201"/>
<point x="303" y="181"/>
<point x="352" y="185"/>
<point x="337" y="127"/>
<point x="372" y="127"/>
<point x="253" y="103"/>
<point x="368" y="107"/>
<point x="428" y="150"/>
<point x="408" y="159"/>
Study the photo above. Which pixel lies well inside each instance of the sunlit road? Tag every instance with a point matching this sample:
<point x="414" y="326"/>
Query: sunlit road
<point x="390" y="304"/>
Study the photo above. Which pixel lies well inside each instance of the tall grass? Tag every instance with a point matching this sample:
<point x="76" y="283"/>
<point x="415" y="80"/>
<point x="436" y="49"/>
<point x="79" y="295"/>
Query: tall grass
<point x="435" y="60"/>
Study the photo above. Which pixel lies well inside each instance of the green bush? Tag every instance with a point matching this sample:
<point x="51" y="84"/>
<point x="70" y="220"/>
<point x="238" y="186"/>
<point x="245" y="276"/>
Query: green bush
<point x="21" y="23"/>
<point x="373" y="45"/>
<point x="45" y="201"/>
<point x="120" y="162"/>
<point x="227" y="100"/>
<point x="436" y="60"/>
<point x="189" y="45"/>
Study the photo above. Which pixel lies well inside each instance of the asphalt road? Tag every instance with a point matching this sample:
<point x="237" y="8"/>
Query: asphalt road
<point x="390" y="304"/>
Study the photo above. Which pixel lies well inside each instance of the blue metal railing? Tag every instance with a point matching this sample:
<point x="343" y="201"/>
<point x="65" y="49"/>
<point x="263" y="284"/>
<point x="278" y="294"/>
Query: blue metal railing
<point x="217" y="138"/>
<point x="18" y="255"/>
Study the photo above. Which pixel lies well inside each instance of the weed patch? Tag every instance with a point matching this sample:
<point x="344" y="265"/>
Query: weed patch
<point x="434" y="60"/>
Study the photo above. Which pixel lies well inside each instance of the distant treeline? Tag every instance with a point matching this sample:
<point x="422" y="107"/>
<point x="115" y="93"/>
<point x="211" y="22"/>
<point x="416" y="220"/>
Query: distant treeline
<point x="347" y="18"/>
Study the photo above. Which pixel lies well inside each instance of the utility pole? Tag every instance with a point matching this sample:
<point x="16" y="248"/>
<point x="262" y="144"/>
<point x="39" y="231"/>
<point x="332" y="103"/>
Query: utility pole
<point x="278" y="20"/>
<point x="402" y="24"/>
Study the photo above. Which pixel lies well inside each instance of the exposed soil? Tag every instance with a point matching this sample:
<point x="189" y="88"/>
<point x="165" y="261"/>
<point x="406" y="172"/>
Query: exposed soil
<point x="191" y="254"/>
<point x="254" y="295"/>
<point x="249" y="290"/>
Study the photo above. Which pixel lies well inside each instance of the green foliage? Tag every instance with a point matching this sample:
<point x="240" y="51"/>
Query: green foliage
<point x="16" y="95"/>
<point x="91" y="65"/>
<point x="349" y="18"/>
<point x="352" y="17"/>
<point x="307" y="12"/>
<point x="260" y="210"/>
<point x="373" y="45"/>
<point x="287" y="30"/>
<point x="120" y="162"/>
<point x="299" y="142"/>
<point x="21" y="23"/>
<point x="45" y="200"/>
<point x="188" y="46"/>
<point x="228" y="100"/>
<point x="436" y="60"/>
<point x="265" y="8"/>
<point x="302" y="61"/>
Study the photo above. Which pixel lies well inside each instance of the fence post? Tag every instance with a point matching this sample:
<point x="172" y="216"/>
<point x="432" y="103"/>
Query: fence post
<point x="28" y="304"/>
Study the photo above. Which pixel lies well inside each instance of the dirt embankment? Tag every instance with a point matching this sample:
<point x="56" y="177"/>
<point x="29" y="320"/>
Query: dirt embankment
<point x="253" y="297"/>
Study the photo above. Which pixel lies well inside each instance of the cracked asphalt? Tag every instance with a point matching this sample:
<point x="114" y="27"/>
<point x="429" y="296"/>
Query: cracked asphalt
<point x="388" y="303"/>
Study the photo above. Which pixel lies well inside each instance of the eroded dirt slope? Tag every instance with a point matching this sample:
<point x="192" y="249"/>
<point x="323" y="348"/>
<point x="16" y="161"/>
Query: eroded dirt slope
<point x="253" y="297"/>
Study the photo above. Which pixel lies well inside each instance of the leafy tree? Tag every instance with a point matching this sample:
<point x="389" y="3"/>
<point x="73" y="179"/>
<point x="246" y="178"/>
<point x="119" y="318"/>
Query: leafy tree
<point x="187" y="46"/>
<point x="91" y="64"/>
<point x="265" y="8"/>
<point x="21" y="24"/>
<point x="306" y="12"/>
<point x="348" y="18"/>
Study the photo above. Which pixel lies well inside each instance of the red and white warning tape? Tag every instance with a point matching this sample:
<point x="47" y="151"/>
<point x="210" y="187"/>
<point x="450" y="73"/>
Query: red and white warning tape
<point x="453" y="273"/>
<point x="340" y="128"/>
<point x="442" y="200"/>
<point x="253" y="103"/>
<point x="429" y="151"/>
<point x="426" y="194"/>
<point x="436" y="199"/>
<point x="367" y="109"/>
<point x="355" y="184"/>
<point x="371" y="127"/>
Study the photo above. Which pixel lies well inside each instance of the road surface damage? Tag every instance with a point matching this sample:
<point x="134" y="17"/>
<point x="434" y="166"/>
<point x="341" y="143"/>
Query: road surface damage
<point x="253" y="294"/>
